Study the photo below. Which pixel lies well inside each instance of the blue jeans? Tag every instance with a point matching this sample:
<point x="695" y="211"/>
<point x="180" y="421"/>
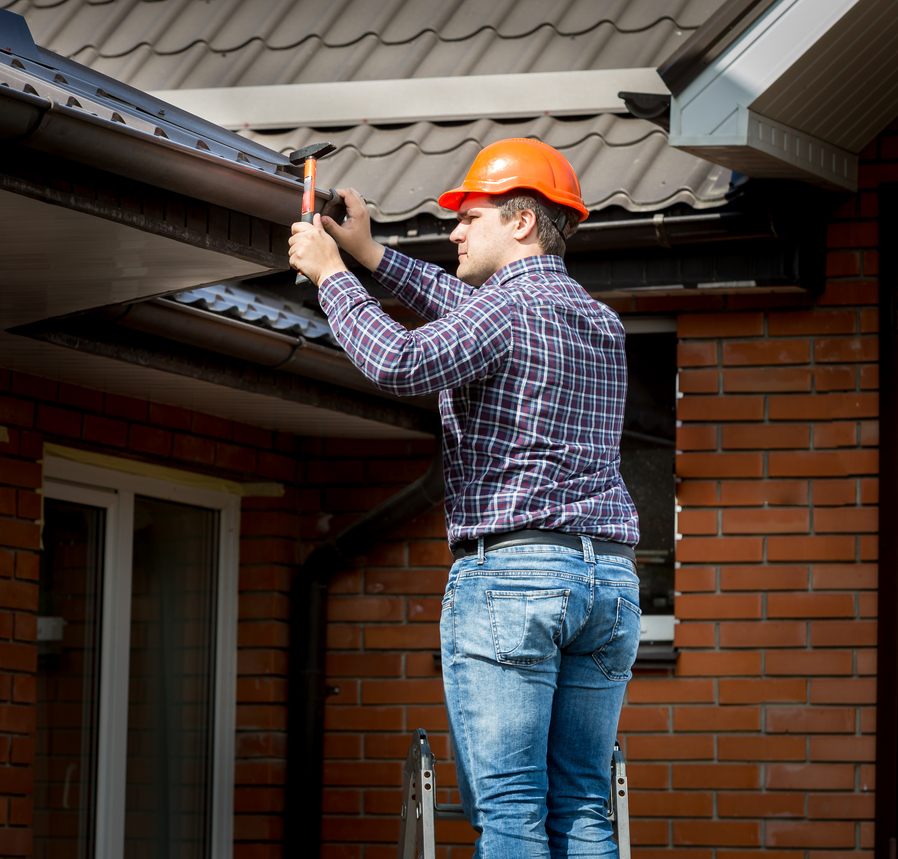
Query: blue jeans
<point x="537" y="646"/>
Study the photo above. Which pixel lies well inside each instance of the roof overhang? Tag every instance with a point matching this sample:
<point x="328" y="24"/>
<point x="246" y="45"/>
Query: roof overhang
<point x="53" y="105"/>
<point x="382" y="102"/>
<point x="804" y="87"/>
<point x="109" y="196"/>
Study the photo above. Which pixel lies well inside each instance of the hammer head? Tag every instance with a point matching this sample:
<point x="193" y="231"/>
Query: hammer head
<point x="316" y="150"/>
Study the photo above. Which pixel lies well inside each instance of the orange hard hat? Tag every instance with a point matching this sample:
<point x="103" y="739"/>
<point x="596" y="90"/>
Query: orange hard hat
<point x="520" y="162"/>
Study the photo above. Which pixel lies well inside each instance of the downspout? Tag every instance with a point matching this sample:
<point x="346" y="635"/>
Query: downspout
<point x="307" y="688"/>
<point x="886" y="796"/>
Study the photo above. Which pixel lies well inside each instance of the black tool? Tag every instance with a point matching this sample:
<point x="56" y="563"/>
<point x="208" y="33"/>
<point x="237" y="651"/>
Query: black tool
<point x="308" y="157"/>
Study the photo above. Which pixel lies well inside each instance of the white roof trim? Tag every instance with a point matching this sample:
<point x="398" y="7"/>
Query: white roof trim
<point x="712" y="116"/>
<point x="467" y="97"/>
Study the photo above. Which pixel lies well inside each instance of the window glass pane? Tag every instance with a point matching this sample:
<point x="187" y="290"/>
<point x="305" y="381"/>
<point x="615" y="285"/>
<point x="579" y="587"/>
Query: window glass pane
<point x="171" y="680"/>
<point x="647" y="462"/>
<point x="67" y="679"/>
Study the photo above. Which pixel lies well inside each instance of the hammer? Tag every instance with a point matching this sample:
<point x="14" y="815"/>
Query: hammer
<point x="308" y="156"/>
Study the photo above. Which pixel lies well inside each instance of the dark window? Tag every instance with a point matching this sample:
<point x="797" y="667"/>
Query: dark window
<point x="647" y="462"/>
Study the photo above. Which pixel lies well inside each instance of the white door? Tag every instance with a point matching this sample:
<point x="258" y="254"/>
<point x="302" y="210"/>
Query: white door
<point x="137" y="664"/>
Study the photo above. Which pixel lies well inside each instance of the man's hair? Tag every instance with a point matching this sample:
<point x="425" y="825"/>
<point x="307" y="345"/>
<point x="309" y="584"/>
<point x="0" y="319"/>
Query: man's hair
<point x="547" y="234"/>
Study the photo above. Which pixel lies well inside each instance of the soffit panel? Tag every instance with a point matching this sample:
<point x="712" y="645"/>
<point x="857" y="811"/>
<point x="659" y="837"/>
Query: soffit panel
<point x="115" y="377"/>
<point x="55" y="261"/>
<point x="844" y="89"/>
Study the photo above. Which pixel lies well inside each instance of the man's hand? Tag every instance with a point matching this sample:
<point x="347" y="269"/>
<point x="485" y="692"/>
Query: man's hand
<point x="313" y="252"/>
<point x="354" y="234"/>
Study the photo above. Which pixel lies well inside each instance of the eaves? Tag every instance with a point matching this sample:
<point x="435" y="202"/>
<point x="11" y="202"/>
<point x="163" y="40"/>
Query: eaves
<point x="786" y="89"/>
<point x="57" y="107"/>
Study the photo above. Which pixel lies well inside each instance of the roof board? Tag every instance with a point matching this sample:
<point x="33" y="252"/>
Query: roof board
<point x="797" y="94"/>
<point x="174" y="44"/>
<point x="402" y="170"/>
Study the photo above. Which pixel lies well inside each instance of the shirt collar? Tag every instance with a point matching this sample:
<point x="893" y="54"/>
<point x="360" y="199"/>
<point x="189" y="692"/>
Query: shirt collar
<point x="539" y="263"/>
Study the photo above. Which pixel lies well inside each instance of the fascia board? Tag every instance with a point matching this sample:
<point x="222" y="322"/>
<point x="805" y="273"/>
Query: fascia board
<point x="827" y="163"/>
<point x="731" y="129"/>
<point x="755" y="61"/>
<point x="408" y="100"/>
<point x="798" y="154"/>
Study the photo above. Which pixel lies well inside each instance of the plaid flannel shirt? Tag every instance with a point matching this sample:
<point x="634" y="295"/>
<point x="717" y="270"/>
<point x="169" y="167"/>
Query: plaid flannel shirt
<point x="532" y="378"/>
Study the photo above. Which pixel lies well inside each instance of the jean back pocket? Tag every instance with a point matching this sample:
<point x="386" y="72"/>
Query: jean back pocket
<point x="617" y="656"/>
<point x="526" y="625"/>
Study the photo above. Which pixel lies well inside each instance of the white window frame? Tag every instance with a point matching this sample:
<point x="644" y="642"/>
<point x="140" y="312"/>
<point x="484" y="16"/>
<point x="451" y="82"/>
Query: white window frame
<point x="114" y="491"/>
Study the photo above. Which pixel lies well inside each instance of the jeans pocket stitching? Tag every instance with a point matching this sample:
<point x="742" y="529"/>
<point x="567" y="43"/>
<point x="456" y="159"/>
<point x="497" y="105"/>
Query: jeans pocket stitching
<point x="504" y="656"/>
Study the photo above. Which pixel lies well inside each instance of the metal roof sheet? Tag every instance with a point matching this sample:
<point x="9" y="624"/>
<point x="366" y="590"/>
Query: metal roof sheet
<point x="182" y="43"/>
<point x="620" y="161"/>
<point x="260" y="309"/>
<point x="172" y="44"/>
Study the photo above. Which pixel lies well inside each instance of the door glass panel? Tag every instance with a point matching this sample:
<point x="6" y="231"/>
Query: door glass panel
<point x="68" y="679"/>
<point x="171" y="681"/>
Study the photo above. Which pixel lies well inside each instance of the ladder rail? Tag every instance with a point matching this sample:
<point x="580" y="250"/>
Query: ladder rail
<point x="619" y="805"/>
<point x="420" y="808"/>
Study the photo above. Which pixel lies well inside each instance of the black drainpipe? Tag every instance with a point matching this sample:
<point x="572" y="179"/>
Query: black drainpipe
<point x="886" y="798"/>
<point x="308" y="647"/>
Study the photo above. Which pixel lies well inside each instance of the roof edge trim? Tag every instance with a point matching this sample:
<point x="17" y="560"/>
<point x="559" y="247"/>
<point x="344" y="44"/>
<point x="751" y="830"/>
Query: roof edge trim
<point x="710" y="40"/>
<point x="505" y="96"/>
<point x="47" y="126"/>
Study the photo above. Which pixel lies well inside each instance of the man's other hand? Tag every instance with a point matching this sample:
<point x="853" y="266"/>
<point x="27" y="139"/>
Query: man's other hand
<point x="354" y="234"/>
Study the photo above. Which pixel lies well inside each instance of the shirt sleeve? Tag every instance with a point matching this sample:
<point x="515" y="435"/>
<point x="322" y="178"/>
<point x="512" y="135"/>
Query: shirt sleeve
<point x="424" y="288"/>
<point x="467" y="343"/>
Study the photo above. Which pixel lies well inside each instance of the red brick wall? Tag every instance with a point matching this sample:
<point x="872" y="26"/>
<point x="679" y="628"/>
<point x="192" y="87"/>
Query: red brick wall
<point x="763" y="736"/>
<point x="34" y="410"/>
<point x="382" y="637"/>
<point x="20" y="481"/>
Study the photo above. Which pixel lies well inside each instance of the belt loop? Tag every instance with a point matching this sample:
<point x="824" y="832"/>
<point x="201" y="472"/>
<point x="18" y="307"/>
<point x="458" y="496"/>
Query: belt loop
<point x="588" y="554"/>
<point x="480" y="552"/>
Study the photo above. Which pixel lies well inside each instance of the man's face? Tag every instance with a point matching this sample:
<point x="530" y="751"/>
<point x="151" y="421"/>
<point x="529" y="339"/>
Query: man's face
<point x="485" y="244"/>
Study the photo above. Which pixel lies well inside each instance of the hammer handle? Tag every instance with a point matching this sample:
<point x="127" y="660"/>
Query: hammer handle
<point x="308" y="203"/>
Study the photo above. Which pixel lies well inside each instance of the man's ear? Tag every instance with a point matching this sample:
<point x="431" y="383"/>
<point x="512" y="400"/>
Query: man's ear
<point x="525" y="226"/>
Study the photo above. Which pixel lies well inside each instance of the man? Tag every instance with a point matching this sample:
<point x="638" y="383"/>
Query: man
<point x="540" y="620"/>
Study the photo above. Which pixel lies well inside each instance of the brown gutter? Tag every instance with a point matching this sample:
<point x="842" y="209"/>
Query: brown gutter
<point x="270" y="349"/>
<point x="657" y="230"/>
<point x="162" y="154"/>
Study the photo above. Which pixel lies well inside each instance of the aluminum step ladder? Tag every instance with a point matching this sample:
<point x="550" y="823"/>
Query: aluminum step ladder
<point x="420" y="808"/>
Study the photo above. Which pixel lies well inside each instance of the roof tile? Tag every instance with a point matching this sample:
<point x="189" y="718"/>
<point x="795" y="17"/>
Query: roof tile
<point x="401" y="170"/>
<point x="621" y="161"/>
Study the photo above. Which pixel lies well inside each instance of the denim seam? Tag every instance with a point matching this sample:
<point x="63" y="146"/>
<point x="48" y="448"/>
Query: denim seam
<point x="523" y="574"/>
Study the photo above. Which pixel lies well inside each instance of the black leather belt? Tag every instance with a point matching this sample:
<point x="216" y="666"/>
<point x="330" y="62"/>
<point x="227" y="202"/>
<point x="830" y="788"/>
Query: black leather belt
<point x="550" y="538"/>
